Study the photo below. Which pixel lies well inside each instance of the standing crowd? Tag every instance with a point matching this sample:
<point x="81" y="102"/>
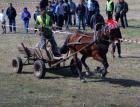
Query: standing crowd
<point x="66" y="13"/>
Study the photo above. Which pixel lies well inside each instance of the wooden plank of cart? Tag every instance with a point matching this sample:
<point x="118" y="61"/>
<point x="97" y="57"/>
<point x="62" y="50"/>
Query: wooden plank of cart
<point x="43" y="61"/>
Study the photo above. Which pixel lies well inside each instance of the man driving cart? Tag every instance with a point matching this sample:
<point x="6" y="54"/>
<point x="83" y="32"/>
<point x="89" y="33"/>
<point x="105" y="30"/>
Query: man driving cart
<point x="44" y="24"/>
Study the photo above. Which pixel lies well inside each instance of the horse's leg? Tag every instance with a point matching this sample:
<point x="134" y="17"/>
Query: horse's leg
<point x="105" y="64"/>
<point x="103" y="60"/>
<point x="79" y="72"/>
<point x="83" y="59"/>
<point x="113" y="49"/>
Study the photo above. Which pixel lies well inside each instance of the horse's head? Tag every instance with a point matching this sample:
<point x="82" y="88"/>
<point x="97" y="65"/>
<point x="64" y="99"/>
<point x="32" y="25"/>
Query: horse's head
<point x="115" y="34"/>
<point x="111" y="34"/>
<point x="104" y="33"/>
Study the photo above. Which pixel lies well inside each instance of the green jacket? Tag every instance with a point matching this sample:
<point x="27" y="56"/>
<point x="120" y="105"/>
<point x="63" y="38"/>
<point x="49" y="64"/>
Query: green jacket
<point x="45" y="22"/>
<point x="109" y="6"/>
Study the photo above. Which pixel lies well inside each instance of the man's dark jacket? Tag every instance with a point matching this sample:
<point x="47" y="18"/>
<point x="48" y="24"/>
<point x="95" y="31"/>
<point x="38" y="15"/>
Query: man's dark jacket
<point x="11" y="13"/>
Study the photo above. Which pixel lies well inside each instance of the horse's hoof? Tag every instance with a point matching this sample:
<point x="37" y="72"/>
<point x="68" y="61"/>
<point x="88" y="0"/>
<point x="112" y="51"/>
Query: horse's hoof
<point x="96" y="70"/>
<point x="103" y="74"/>
<point x="83" y="81"/>
<point x="99" y="69"/>
<point x="89" y="74"/>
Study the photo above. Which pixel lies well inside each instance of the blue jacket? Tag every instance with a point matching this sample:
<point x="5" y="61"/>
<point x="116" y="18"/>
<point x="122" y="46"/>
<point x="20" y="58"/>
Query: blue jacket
<point x="59" y="9"/>
<point x="93" y="5"/>
<point x="25" y="16"/>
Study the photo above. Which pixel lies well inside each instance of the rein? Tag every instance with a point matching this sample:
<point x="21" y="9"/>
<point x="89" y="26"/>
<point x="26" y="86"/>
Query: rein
<point x="103" y="30"/>
<point x="78" y="43"/>
<point x="73" y="54"/>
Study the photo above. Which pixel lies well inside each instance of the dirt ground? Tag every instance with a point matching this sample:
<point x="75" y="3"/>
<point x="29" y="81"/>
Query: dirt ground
<point x="121" y="88"/>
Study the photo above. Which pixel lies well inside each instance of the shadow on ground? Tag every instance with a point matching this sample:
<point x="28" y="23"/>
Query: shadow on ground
<point x="134" y="57"/>
<point x="121" y="82"/>
<point x="67" y="73"/>
<point x="133" y="27"/>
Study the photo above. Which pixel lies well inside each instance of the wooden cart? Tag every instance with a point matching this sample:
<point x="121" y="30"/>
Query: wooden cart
<point x="43" y="60"/>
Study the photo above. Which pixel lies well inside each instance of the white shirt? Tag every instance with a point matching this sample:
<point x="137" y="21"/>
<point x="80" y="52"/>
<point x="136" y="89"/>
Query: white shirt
<point x="2" y="17"/>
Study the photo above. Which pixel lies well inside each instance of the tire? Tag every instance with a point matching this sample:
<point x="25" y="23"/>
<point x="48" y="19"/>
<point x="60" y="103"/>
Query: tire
<point x="74" y="66"/>
<point x="39" y="69"/>
<point x="17" y="65"/>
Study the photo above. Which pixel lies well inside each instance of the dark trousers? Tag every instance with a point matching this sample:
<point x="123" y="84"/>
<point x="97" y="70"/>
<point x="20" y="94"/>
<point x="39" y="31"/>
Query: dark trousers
<point x="125" y="20"/>
<point x="55" y="19"/>
<point x="60" y="21"/>
<point x="26" y="26"/>
<point x="118" y="45"/>
<point x="67" y="19"/>
<point x="12" y="23"/>
<point x="81" y="18"/>
<point x="109" y="14"/>
<point x="3" y="27"/>
<point x="89" y="16"/>
<point x="51" y="39"/>
<point x="120" y="15"/>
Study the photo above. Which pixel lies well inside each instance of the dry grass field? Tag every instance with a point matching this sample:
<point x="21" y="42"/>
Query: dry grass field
<point x="121" y="88"/>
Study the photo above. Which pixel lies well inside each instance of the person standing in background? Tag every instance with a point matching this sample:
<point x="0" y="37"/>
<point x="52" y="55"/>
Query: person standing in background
<point x="60" y="15"/>
<point x="119" y="13"/>
<point x="3" y="21"/>
<point x="97" y="22"/>
<point x="37" y="13"/>
<point x="93" y="8"/>
<point x="109" y="9"/>
<point x="11" y="13"/>
<point x="25" y="16"/>
<point x="43" y="4"/>
<point x="124" y="11"/>
<point x="49" y="10"/>
<point x="86" y="13"/>
<point x="115" y="30"/>
<point x="72" y="12"/>
<point x="54" y="5"/>
<point x="66" y="7"/>
<point x="80" y="10"/>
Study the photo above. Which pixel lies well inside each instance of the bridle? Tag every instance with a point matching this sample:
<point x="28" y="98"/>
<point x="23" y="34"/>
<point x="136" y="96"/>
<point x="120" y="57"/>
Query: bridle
<point x="106" y="32"/>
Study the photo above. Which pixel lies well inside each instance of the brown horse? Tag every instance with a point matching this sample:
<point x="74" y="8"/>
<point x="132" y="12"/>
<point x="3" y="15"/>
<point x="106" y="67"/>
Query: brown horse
<point x="91" y="47"/>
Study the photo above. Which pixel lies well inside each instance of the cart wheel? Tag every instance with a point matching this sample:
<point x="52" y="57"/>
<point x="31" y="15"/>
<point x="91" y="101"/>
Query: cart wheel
<point x="74" y="65"/>
<point x="39" y="69"/>
<point x="17" y="65"/>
